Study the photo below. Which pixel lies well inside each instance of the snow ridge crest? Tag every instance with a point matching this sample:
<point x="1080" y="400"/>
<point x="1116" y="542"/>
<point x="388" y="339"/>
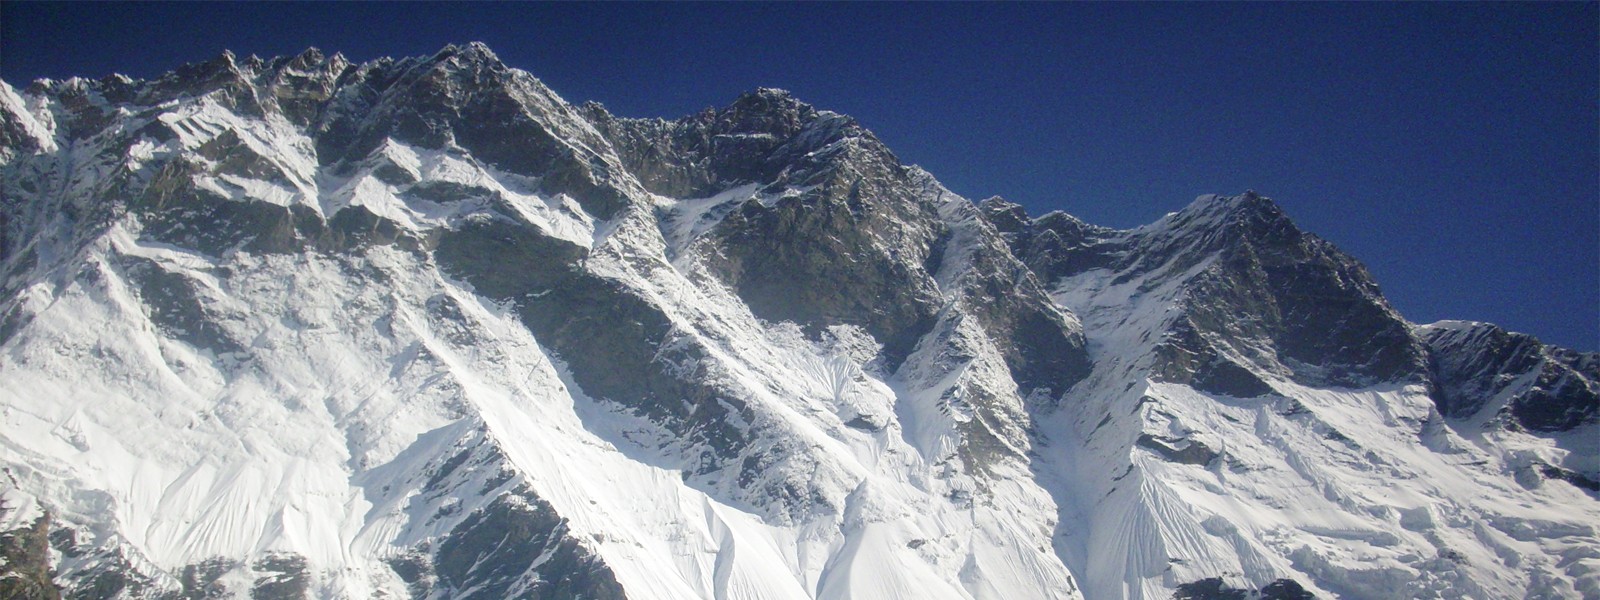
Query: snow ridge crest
<point x="300" y="327"/>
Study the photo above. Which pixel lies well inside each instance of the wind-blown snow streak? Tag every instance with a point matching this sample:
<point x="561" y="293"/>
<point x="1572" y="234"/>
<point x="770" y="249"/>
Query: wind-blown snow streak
<point x="358" y="410"/>
<point x="1360" y="493"/>
<point x="419" y="328"/>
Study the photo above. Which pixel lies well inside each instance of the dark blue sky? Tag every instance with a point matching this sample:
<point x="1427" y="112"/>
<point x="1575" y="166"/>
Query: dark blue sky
<point x="1454" y="148"/>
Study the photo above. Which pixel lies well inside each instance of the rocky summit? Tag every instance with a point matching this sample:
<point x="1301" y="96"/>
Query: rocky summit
<point x="420" y="328"/>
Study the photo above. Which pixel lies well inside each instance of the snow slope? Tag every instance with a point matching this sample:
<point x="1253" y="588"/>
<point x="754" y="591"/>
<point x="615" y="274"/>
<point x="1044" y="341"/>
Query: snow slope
<point x="419" y="328"/>
<point x="1364" y="492"/>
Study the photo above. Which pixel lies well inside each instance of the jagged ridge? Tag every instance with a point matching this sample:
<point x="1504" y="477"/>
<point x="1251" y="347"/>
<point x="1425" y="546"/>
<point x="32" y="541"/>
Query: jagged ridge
<point x="491" y="344"/>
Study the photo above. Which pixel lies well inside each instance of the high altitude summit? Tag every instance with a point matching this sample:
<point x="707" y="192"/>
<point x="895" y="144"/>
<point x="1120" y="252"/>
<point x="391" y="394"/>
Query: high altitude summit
<point x="420" y="328"/>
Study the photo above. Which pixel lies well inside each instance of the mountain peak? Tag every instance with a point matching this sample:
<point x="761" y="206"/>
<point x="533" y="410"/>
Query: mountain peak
<point x="769" y="101"/>
<point x="1477" y="366"/>
<point x="470" y="54"/>
<point x="998" y="203"/>
<point x="194" y="79"/>
<point x="307" y="59"/>
<point x="1252" y="201"/>
<point x="224" y="61"/>
<point x="768" y="113"/>
<point x="770" y="93"/>
<point x="1248" y="217"/>
<point x="479" y="343"/>
<point x="1249" y="202"/>
<point x="1006" y="216"/>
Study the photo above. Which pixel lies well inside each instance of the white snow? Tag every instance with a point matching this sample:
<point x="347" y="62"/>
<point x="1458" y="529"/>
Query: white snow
<point x="38" y="124"/>
<point x="1363" y="493"/>
<point x="317" y="425"/>
<point x="305" y="440"/>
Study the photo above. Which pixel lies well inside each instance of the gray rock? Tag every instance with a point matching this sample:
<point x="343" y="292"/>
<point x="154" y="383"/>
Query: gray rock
<point x="1543" y="388"/>
<point x="25" y="572"/>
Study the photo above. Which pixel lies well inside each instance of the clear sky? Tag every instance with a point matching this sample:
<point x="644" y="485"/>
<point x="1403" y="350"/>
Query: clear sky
<point x="1453" y="148"/>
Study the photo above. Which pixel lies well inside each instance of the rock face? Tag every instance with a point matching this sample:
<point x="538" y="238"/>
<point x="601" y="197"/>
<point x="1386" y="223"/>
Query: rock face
<point x="1478" y="367"/>
<point x="1259" y="295"/>
<point x="418" y="327"/>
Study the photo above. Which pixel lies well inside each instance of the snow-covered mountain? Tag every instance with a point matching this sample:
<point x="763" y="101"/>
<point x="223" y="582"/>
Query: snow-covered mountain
<point x="421" y="328"/>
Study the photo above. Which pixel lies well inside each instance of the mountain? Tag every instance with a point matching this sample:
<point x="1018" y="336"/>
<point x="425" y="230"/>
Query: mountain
<point x="421" y="328"/>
